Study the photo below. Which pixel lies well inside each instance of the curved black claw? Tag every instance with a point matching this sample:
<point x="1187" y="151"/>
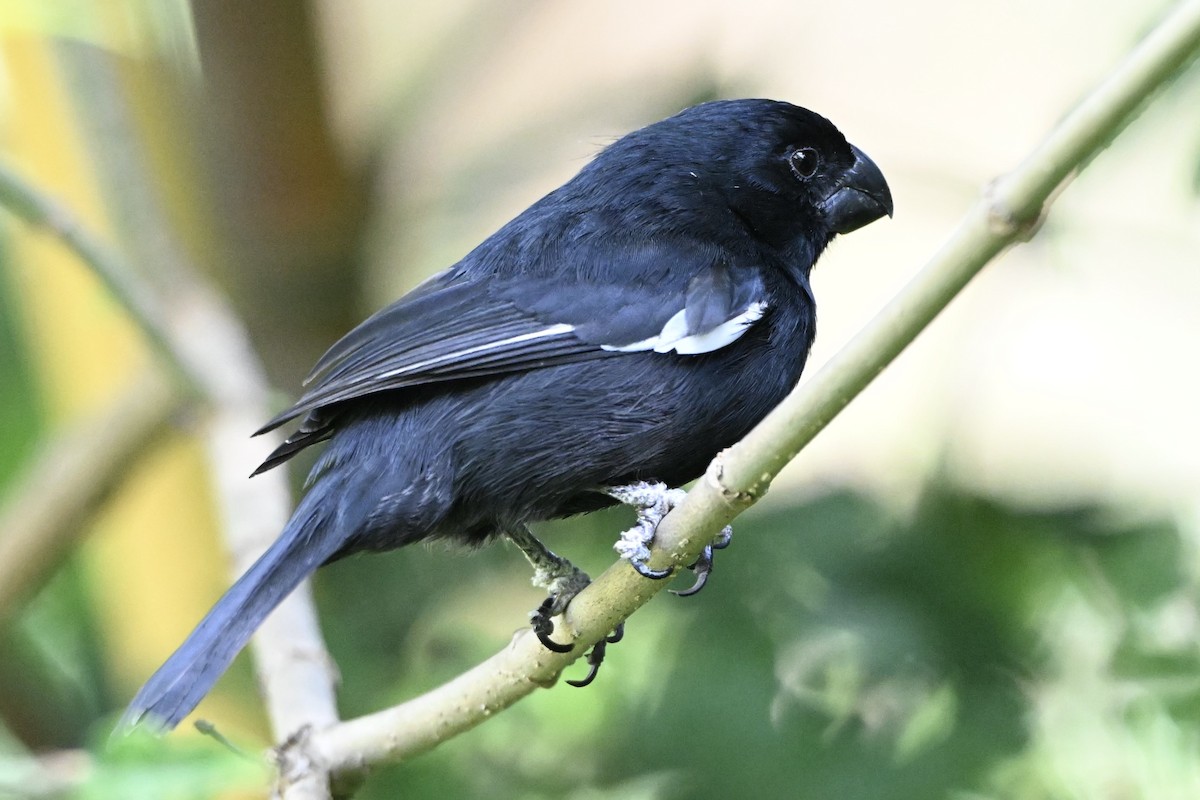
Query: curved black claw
<point x="543" y="627"/>
<point x="703" y="568"/>
<point x="593" y="667"/>
<point x="649" y="572"/>
<point x="595" y="656"/>
<point x="703" y="565"/>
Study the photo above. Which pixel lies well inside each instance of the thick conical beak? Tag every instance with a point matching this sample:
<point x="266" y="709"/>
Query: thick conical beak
<point x="861" y="197"/>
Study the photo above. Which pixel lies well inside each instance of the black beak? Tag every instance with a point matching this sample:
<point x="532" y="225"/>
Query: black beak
<point x="861" y="196"/>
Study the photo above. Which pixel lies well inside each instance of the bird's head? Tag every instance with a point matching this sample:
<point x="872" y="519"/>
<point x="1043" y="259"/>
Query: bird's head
<point x="785" y="174"/>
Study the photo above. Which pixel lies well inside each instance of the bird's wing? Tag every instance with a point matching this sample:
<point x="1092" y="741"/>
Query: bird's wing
<point x="455" y="327"/>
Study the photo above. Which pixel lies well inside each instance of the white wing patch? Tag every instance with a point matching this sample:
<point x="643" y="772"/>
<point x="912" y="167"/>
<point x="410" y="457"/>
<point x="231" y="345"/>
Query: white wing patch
<point x="545" y="333"/>
<point x="674" y="334"/>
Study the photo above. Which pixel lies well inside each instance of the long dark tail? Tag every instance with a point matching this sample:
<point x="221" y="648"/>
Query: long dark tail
<point x="180" y="683"/>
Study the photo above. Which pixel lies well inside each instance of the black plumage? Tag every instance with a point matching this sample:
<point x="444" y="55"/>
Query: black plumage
<point x="624" y="328"/>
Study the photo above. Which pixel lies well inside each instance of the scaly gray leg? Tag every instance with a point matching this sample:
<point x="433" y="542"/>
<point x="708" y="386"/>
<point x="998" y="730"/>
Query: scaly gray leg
<point x="653" y="501"/>
<point x="561" y="579"/>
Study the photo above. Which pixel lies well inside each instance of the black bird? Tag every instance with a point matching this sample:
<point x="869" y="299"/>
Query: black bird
<point x="618" y="333"/>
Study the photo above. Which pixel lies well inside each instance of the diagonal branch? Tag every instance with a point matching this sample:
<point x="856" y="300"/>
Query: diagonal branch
<point x="39" y="210"/>
<point x="1008" y="211"/>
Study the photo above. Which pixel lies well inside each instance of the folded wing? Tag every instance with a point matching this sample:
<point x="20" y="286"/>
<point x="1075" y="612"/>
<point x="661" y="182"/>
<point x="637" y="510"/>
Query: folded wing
<point x="457" y="326"/>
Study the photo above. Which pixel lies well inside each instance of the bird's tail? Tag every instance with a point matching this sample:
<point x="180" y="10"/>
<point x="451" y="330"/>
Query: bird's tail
<point x="180" y="683"/>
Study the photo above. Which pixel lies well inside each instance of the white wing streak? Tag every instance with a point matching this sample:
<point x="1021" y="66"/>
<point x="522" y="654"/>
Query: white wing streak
<point x="674" y="335"/>
<point x="553" y="330"/>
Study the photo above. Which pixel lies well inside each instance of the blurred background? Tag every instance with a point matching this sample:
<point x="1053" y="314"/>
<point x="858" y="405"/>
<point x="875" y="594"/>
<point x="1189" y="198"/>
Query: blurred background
<point x="979" y="582"/>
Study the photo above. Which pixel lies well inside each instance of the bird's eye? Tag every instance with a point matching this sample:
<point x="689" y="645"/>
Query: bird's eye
<point x="804" y="162"/>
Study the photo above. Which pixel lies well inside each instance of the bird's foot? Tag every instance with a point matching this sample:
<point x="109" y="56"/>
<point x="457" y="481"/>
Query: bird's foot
<point x="562" y="590"/>
<point x="562" y="580"/>
<point x="595" y="656"/>
<point x="702" y="567"/>
<point x="653" y="501"/>
<point x="543" y="627"/>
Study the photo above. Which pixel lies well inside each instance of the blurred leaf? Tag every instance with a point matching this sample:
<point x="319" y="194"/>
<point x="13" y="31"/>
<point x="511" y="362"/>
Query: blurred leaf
<point x="1142" y="564"/>
<point x="51" y="665"/>
<point x="142" y="766"/>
